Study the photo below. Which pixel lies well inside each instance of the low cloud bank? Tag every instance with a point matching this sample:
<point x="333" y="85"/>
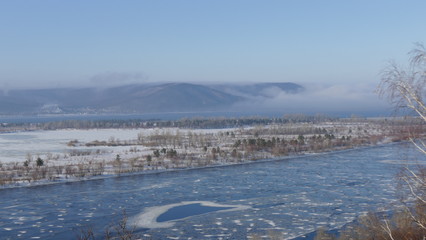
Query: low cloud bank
<point x="332" y="99"/>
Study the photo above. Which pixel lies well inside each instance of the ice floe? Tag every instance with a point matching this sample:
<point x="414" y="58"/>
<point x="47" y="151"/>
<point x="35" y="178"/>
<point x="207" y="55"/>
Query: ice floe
<point x="148" y="218"/>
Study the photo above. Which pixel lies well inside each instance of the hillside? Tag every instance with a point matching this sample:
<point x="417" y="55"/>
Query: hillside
<point x="136" y="98"/>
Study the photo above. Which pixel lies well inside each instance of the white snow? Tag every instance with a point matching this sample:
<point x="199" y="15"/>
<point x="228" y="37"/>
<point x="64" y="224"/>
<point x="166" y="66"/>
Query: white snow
<point x="14" y="147"/>
<point x="147" y="219"/>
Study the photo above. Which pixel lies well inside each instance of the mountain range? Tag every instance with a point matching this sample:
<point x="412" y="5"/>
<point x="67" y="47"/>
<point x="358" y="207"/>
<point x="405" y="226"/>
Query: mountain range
<point x="137" y="98"/>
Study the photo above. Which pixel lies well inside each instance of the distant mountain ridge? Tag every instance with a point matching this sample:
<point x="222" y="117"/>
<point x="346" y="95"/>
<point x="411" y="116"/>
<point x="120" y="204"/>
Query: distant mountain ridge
<point x="136" y="98"/>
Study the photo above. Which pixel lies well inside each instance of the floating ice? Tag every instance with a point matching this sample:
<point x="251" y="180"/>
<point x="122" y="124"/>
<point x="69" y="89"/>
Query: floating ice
<point x="270" y="222"/>
<point x="238" y="222"/>
<point x="148" y="219"/>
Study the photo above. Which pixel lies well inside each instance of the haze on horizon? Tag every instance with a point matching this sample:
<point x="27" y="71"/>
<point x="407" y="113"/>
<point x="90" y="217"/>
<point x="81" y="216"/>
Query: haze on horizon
<point x="333" y="47"/>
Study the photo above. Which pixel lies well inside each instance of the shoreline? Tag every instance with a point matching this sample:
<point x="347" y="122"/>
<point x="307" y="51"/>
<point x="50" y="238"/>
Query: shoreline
<point x="51" y="156"/>
<point x="46" y="182"/>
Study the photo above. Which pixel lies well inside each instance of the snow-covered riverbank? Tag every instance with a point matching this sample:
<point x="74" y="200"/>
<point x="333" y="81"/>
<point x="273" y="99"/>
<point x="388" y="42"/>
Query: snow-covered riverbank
<point x="70" y="155"/>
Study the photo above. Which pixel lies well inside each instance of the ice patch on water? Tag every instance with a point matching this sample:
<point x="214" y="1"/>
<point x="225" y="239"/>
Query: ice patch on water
<point x="403" y="162"/>
<point x="148" y="218"/>
<point x="270" y="222"/>
<point x="238" y="222"/>
<point x="13" y="206"/>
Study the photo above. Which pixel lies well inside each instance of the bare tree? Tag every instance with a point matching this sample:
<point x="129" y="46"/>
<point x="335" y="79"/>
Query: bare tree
<point x="405" y="88"/>
<point x="117" y="231"/>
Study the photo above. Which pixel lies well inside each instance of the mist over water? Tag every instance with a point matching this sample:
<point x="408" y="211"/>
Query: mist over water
<point x="226" y="100"/>
<point x="340" y="100"/>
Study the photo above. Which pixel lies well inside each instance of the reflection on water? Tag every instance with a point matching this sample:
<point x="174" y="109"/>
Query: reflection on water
<point x="292" y="196"/>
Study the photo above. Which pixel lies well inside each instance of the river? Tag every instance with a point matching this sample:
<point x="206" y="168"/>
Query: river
<point x="292" y="196"/>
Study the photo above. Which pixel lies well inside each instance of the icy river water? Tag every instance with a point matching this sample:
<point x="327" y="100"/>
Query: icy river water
<point x="292" y="196"/>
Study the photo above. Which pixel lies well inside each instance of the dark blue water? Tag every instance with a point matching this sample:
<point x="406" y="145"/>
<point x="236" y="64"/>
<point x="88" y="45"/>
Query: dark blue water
<point x="188" y="210"/>
<point x="291" y="196"/>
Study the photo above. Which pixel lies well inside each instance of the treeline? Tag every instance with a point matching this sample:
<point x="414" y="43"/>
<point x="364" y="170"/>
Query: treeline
<point x="176" y="148"/>
<point x="279" y="147"/>
<point x="199" y="122"/>
<point x="31" y="171"/>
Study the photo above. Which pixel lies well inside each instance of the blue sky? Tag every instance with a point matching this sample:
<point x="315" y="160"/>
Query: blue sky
<point x="84" y="43"/>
